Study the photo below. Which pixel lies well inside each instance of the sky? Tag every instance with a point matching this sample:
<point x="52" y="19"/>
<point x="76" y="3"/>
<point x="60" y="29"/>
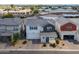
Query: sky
<point x="39" y="2"/>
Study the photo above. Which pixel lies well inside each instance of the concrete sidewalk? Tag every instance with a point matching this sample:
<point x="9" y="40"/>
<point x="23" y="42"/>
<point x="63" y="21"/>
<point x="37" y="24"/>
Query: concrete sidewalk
<point x="7" y="50"/>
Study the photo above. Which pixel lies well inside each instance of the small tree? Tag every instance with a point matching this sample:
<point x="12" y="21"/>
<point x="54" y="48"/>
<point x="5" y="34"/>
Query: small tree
<point x="34" y="10"/>
<point x="57" y="41"/>
<point x="12" y="7"/>
<point x="15" y="38"/>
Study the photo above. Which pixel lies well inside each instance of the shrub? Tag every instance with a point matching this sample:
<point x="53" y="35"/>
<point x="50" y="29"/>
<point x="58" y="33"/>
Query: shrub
<point x="50" y="45"/>
<point x="63" y="44"/>
<point x="8" y="15"/>
<point x="44" y="45"/>
<point x="57" y="41"/>
<point x="53" y="45"/>
<point x="24" y="42"/>
<point x="15" y="38"/>
<point x="35" y="10"/>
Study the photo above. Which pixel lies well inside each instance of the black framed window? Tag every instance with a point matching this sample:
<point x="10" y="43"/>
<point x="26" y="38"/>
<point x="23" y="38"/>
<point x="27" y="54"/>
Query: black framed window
<point x="49" y="28"/>
<point x="33" y="28"/>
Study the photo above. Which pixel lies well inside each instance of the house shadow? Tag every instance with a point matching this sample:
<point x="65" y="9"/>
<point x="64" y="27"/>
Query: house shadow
<point x="36" y="41"/>
<point x="74" y="41"/>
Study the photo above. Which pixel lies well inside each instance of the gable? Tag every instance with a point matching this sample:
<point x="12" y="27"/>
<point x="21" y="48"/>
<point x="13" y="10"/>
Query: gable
<point x="68" y="27"/>
<point x="49" y="28"/>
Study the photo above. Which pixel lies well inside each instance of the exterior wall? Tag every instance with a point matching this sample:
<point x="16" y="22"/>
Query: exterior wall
<point x="69" y="33"/>
<point x="64" y="31"/>
<point x="43" y="39"/>
<point x="10" y="29"/>
<point x="17" y="13"/>
<point x="77" y="36"/>
<point x="68" y="27"/>
<point x="78" y="33"/>
<point x="49" y="28"/>
<point x="57" y="27"/>
<point x="33" y="34"/>
<point x="51" y="36"/>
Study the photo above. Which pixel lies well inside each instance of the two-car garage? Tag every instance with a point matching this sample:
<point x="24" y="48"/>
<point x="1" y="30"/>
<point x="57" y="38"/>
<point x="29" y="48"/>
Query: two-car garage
<point x="68" y="37"/>
<point x="5" y="39"/>
<point x="68" y="31"/>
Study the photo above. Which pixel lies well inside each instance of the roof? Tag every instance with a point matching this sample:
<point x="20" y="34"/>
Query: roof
<point x="63" y="21"/>
<point x="57" y="18"/>
<point x="71" y="15"/>
<point x="49" y="19"/>
<point x="63" y="10"/>
<point x="5" y="33"/>
<point x="54" y="34"/>
<point x="75" y="20"/>
<point x="10" y="21"/>
<point x="35" y="20"/>
<point x="46" y="19"/>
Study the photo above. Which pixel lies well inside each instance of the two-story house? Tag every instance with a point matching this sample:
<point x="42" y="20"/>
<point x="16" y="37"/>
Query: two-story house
<point x="39" y="30"/>
<point x="65" y="27"/>
<point x="8" y="26"/>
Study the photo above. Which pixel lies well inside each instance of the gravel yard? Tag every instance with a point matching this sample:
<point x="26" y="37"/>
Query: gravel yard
<point x="29" y="45"/>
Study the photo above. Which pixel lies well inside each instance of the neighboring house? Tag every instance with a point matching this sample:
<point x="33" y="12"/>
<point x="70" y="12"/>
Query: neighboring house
<point x="46" y="28"/>
<point x="19" y="13"/>
<point x="39" y="30"/>
<point x="48" y="33"/>
<point x="63" y="10"/>
<point x="58" y="11"/>
<point x="8" y="26"/>
<point x="66" y="28"/>
<point x="76" y="21"/>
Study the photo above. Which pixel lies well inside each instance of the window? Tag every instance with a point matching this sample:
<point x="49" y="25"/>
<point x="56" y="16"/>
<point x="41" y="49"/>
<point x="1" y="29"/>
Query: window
<point x="15" y="28"/>
<point x="33" y="28"/>
<point x="43" y="37"/>
<point x="9" y="28"/>
<point x="2" y="27"/>
<point x="49" y="28"/>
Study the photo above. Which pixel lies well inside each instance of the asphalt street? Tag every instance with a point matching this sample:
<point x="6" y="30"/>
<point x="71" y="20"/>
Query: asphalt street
<point x="40" y="52"/>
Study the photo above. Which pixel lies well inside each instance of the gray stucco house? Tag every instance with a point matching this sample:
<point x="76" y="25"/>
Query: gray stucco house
<point x="9" y="26"/>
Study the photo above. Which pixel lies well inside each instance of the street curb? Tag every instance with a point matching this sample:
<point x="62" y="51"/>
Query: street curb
<point x="7" y="50"/>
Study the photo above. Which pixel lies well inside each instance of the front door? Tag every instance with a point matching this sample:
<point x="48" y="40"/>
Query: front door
<point x="47" y="39"/>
